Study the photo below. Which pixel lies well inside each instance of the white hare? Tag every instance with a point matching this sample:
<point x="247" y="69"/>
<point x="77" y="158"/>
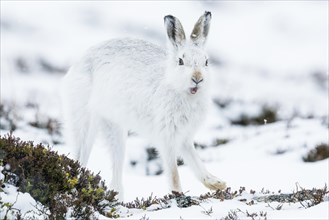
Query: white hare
<point x="128" y="84"/>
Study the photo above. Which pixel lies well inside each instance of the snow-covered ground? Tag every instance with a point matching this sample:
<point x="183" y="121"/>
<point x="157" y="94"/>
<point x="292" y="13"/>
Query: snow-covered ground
<point x="263" y="54"/>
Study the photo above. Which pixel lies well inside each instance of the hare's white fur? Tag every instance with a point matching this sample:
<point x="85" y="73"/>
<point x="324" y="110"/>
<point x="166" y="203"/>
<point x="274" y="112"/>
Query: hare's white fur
<point x="129" y="84"/>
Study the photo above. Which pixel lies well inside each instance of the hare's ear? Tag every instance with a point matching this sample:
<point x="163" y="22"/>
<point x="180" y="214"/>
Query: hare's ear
<point x="175" y="31"/>
<point x="201" y="29"/>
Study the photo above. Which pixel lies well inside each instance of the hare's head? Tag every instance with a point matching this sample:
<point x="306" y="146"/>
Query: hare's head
<point x="188" y="61"/>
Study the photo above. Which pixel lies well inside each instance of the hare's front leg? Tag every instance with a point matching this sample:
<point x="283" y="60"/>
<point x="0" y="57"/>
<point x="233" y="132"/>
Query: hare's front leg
<point x="191" y="157"/>
<point x="168" y="155"/>
<point x="115" y="138"/>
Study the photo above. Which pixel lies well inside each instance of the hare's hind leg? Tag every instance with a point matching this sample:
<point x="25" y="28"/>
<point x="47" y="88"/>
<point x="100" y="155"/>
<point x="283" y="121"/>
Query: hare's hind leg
<point x="79" y="133"/>
<point x="115" y="139"/>
<point x="191" y="157"/>
<point x="87" y="141"/>
<point x="82" y="131"/>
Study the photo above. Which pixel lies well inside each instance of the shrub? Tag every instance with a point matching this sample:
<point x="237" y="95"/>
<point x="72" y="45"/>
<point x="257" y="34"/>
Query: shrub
<point x="8" y="117"/>
<point x="54" y="180"/>
<point x="320" y="152"/>
<point x="269" y="114"/>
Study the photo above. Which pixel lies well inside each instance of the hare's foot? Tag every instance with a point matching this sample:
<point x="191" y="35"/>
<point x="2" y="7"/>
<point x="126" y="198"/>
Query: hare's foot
<point x="213" y="183"/>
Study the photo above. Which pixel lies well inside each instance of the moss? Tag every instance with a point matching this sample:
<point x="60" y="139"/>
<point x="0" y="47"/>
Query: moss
<point x="54" y="180"/>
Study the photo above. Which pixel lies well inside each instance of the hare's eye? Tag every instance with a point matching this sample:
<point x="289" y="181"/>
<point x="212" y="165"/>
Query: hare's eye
<point x="206" y="64"/>
<point x="180" y="61"/>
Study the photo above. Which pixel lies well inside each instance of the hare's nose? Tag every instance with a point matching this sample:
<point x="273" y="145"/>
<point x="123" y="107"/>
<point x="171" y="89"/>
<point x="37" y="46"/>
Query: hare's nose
<point x="197" y="77"/>
<point x="197" y="81"/>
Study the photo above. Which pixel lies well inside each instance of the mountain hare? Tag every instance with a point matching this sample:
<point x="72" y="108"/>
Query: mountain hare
<point x="128" y="84"/>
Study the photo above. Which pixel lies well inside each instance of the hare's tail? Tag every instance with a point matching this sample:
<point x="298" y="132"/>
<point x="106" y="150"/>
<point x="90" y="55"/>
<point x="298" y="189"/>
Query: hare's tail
<point x="79" y="127"/>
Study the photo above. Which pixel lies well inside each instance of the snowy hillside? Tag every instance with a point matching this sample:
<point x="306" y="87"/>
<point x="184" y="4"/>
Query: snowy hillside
<point x="269" y="63"/>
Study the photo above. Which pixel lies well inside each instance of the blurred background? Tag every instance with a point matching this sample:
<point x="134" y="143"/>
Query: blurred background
<point x="269" y="65"/>
<point x="272" y="52"/>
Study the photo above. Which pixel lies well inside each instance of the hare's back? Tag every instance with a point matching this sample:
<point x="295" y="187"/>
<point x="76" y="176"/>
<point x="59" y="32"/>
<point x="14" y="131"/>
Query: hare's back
<point x="140" y="50"/>
<point x="128" y="53"/>
<point x="127" y="72"/>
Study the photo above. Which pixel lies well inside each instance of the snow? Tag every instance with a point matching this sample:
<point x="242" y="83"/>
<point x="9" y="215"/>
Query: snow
<point x="22" y="203"/>
<point x="262" y="54"/>
<point x="317" y="212"/>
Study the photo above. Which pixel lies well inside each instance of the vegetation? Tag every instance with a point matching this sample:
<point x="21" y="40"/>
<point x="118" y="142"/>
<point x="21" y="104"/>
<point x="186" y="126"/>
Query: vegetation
<point x="8" y="117"/>
<point x="320" y="152"/>
<point x="267" y="115"/>
<point x="11" y="120"/>
<point x="54" y="180"/>
<point x="66" y="189"/>
<point x="306" y="197"/>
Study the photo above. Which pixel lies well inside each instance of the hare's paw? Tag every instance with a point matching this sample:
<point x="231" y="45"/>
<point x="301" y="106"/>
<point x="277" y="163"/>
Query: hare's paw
<point x="213" y="183"/>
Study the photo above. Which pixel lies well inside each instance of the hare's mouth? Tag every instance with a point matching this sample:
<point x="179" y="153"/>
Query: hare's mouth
<point x="194" y="90"/>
